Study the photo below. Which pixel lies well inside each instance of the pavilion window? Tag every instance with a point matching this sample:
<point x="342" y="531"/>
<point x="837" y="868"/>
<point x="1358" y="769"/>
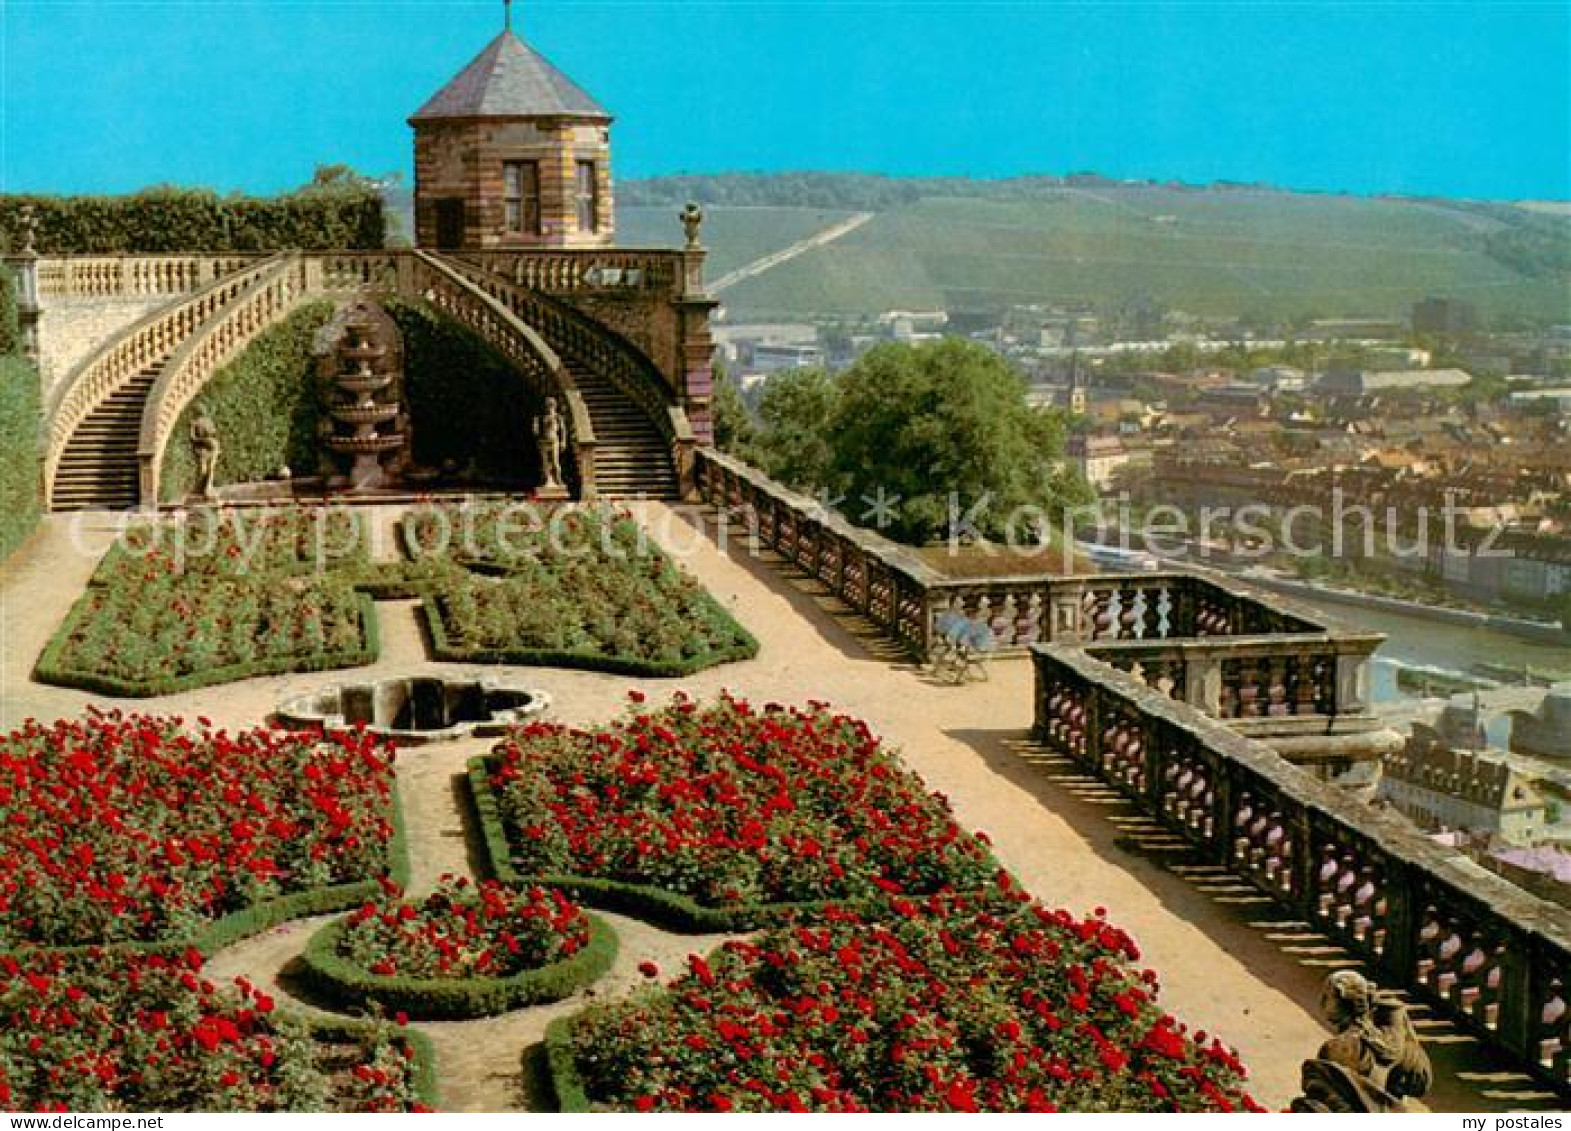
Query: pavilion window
<point x="587" y="187"/>
<point x="521" y="196"/>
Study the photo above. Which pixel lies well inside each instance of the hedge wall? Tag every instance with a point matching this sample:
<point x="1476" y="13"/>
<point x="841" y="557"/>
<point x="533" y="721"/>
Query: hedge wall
<point x="198" y="220"/>
<point x="266" y="406"/>
<point x="20" y="495"/>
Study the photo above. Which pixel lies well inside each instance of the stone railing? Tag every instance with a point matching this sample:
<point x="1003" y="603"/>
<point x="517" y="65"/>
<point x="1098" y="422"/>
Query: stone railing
<point x="457" y="295"/>
<point x="270" y="295"/>
<point x="1487" y="955"/>
<point x="597" y="349"/>
<point x="1259" y="683"/>
<point x="132" y="276"/>
<point x="614" y="270"/>
<point x="903" y="595"/>
<point x="147" y="341"/>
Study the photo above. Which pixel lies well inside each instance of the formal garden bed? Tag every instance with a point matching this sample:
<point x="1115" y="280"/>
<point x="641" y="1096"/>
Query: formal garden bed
<point x="131" y="848"/>
<point x="944" y="1004"/>
<point x="216" y="596"/>
<point x="565" y="587"/>
<point x="719" y="816"/>
<point x="124" y="1031"/>
<point x="463" y="951"/>
<point x="126" y="829"/>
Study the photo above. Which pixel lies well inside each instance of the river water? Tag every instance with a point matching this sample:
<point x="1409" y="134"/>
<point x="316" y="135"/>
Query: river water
<point x="1416" y="641"/>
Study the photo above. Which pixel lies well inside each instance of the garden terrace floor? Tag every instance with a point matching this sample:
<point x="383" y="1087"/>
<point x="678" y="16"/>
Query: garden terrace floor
<point x="1228" y="961"/>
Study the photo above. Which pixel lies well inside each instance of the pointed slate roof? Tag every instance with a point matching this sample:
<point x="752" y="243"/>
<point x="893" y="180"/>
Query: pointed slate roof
<point x="509" y="79"/>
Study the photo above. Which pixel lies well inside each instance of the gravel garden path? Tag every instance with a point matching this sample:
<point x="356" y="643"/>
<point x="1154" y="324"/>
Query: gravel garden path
<point x="1228" y="962"/>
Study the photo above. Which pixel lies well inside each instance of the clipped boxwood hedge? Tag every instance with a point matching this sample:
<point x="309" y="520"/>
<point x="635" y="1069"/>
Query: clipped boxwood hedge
<point x="325" y="217"/>
<point x="562" y="1068"/>
<point x="644" y="901"/>
<point x="50" y="668"/>
<point x="20" y="479"/>
<point x="447" y="999"/>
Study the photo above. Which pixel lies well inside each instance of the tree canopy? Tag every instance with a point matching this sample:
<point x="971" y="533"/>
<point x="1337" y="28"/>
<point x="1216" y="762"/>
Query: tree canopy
<point x="911" y="436"/>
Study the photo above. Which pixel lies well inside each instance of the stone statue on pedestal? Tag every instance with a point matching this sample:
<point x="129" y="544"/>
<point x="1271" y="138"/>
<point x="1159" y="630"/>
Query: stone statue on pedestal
<point x="692" y="218"/>
<point x="1374" y="1060"/>
<point x="548" y="431"/>
<point x="206" y="448"/>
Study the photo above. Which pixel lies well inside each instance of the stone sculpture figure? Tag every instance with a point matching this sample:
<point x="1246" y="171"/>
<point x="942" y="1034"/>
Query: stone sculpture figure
<point x="1374" y="1061"/>
<point x="548" y="430"/>
<point x="206" y="448"/>
<point x="692" y="218"/>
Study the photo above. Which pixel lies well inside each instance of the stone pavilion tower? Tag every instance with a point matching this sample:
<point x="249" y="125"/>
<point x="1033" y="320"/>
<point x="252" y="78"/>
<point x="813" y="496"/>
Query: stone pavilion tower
<point x="512" y="154"/>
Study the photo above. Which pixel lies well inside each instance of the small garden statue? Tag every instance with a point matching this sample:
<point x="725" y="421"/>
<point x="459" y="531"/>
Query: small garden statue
<point x="206" y="448"/>
<point x="692" y="218"/>
<point x="1375" y="1059"/>
<point x="548" y="431"/>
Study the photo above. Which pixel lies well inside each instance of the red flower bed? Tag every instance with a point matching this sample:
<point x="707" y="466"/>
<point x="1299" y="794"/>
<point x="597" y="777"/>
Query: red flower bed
<point x="729" y="805"/>
<point x="136" y="829"/>
<point x="464" y="931"/>
<point x="125" y="1032"/>
<point x="951" y="1004"/>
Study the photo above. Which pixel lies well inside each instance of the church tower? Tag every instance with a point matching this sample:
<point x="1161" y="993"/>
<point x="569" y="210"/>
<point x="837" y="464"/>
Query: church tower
<point x="512" y="154"/>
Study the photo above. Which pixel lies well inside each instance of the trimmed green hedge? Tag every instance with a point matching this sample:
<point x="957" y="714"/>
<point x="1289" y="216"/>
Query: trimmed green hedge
<point x="250" y="921"/>
<point x="21" y="500"/>
<point x="452" y="999"/>
<point x="265" y="404"/>
<point x="172" y="220"/>
<point x="562" y="1068"/>
<point x="49" y="668"/>
<point x="644" y="901"/>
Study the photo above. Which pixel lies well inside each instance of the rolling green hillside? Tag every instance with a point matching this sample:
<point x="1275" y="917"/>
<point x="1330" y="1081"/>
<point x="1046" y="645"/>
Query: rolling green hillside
<point x="734" y="236"/>
<point x="1206" y="251"/>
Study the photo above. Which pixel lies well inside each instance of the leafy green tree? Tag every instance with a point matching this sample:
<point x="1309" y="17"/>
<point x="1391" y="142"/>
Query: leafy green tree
<point x="795" y="415"/>
<point x="734" y="430"/>
<point x="924" y="423"/>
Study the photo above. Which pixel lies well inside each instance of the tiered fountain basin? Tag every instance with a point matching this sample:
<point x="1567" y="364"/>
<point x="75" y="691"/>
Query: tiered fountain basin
<point x="415" y="710"/>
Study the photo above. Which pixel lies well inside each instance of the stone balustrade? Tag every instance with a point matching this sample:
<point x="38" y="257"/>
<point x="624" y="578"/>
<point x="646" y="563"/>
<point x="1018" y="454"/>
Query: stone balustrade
<point x="904" y="596"/>
<point x="132" y="276"/>
<point x="270" y="295"/>
<point x="557" y="272"/>
<point x="149" y="340"/>
<point x="1484" y="953"/>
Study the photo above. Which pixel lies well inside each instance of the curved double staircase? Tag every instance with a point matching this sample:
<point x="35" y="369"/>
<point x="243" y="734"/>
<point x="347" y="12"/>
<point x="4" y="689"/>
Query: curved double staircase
<point x="109" y="423"/>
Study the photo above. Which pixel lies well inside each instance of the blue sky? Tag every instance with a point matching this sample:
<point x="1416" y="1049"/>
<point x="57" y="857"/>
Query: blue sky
<point x="1459" y="99"/>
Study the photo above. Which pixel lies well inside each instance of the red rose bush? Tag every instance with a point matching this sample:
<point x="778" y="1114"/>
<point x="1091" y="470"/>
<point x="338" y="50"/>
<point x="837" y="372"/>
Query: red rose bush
<point x="728" y="806"/>
<point x="134" y="829"/>
<point x="102" y="1031"/>
<point x="944" y="1004"/>
<point x="464" y="950"/>
<point x="463" y="931"/>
